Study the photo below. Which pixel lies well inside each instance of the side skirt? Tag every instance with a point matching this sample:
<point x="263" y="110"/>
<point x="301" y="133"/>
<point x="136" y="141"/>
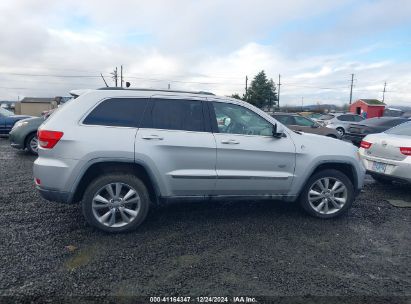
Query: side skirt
<point x="225" y="198"/>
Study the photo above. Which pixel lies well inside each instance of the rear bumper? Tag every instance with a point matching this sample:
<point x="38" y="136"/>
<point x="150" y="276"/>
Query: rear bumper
<point x="392" y="177"/>
<point x="399" y="170"/>
<point x="54" y="195"/>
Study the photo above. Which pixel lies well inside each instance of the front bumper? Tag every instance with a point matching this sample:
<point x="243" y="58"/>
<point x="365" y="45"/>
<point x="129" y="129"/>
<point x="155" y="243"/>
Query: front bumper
<point x="15" y="141"/>
<point x="54" y="195"/>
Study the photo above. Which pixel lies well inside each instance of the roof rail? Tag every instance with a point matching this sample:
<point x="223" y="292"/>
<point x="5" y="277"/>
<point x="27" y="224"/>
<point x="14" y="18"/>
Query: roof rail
<point x="158" y="90"/>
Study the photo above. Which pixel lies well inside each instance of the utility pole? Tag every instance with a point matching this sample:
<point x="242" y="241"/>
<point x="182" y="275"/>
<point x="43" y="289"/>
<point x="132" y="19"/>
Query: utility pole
<point x="246" y="85"/>
<point x="121" y="75"/>
<point x="352" y="83"/>
<point x="115" y="76"/>
<point x="169" y="86"/>
<point x="302" y="103"/>
<point x="279" y="87"/>
<point x="383" y="92"/>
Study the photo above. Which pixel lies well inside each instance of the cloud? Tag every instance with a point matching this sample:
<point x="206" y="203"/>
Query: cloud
<point x="206" y="45"/>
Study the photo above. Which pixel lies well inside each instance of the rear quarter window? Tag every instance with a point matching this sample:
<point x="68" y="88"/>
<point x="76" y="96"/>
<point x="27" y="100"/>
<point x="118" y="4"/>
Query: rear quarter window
<point x="118" y="112"/>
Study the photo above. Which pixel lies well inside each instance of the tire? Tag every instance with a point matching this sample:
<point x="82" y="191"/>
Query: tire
<point x="382" y="179"/>
<point x="32" y="143"/>
<point x="341" y="131"/>
<point x="134" y="208"/>
<point x="329" y="200"/>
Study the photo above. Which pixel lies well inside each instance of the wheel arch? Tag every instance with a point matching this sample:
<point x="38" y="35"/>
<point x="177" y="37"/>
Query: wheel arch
<point x="101" y="167"/>
<point x="344" y="167"/>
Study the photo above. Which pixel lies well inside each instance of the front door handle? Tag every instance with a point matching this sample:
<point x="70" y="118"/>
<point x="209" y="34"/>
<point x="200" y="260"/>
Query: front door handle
<point x="151" y="137"/>
<point x="230" y="142"/>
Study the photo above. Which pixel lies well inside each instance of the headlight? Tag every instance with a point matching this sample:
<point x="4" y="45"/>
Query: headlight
<point x="20" y="124"/>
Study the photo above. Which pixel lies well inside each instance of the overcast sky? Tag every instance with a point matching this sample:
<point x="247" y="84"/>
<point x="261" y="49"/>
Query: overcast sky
<point x="209" y="45"/>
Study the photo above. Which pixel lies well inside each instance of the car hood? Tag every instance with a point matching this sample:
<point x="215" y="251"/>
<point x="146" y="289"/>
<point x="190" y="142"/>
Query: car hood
<point x="32" y="119"/>
<point x="21" y="116"/>
<point x="314" y="141"/>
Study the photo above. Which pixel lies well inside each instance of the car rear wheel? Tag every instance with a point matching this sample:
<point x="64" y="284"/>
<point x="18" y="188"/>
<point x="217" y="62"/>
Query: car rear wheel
<point x="116" y="202"/>
<point x="340" y="131"/>
<point x="327" y="194"/>
<point x="32" y="144"/>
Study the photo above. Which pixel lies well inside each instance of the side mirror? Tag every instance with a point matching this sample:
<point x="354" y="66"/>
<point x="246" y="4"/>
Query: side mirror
<point x="278" y="131"/>
<point x="315" y="125"/>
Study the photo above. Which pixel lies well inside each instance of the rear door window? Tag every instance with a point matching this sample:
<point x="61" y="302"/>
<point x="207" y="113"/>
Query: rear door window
<point x="176" y="114"/>
<point x="118" y="112"/>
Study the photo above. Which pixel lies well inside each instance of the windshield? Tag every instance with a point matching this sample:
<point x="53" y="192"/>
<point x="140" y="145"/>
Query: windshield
<point x="326" y="117"/>
<point x="402" y="129"/>
<point x="316" y="115"/>
<point x="5" y="112"/>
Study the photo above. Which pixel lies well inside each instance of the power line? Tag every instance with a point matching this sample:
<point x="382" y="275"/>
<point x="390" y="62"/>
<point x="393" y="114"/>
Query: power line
<point x="51" y="75"/>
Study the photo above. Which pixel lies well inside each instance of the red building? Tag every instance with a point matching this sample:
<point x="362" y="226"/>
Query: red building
<point x="368" y="108"/>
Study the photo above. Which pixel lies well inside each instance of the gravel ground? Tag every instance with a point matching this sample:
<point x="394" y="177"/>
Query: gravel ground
<point x="247" y="248"/>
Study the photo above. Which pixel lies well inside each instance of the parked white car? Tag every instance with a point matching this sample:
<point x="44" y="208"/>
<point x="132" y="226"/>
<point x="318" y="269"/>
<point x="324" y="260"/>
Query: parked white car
<point x="339" y="121"/>
<point x="387" y="155"/>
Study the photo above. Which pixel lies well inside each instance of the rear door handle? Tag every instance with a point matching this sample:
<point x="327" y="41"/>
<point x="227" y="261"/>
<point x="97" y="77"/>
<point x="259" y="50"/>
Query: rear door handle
<point x="151" y="137"/>
<point x="230" y="142"/>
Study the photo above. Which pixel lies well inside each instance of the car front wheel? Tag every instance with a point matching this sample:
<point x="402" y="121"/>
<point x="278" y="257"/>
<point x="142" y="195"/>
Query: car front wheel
<point x="327" y="194"/>
<point x="116" y="202"/>
<point x="32" y="144"/>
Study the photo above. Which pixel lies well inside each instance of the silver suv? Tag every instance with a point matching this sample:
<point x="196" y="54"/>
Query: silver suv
<point x="121" y="151"/>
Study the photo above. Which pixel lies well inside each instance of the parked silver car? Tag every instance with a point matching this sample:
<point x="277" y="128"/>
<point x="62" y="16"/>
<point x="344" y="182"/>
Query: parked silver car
<point x="387" y="155"/>
<point x="339" y="121"/>
<point x="120" y="151"/>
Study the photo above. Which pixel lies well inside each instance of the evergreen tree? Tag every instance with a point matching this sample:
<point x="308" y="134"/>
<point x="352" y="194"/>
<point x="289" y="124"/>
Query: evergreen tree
<point x="262" y="91"/>
<point x="236" y="96"/>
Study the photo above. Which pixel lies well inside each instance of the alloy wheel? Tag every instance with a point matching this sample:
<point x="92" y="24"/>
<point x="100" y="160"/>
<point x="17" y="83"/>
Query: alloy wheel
<point x="34" y="144"/>
<point x="327" y="195"/>
<point x="340" y="131"/>
<point x="116" y="205"/>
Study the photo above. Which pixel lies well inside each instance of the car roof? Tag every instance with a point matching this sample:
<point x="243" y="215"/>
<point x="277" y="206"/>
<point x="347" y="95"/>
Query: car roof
<point x="156" y="90"/>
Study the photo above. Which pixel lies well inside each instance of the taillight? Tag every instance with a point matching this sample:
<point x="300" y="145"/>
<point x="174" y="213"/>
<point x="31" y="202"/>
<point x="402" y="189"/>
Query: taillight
<point x="48" y="139"/>
<point x="406" y="150"/>
<point x="365" y="144"/>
